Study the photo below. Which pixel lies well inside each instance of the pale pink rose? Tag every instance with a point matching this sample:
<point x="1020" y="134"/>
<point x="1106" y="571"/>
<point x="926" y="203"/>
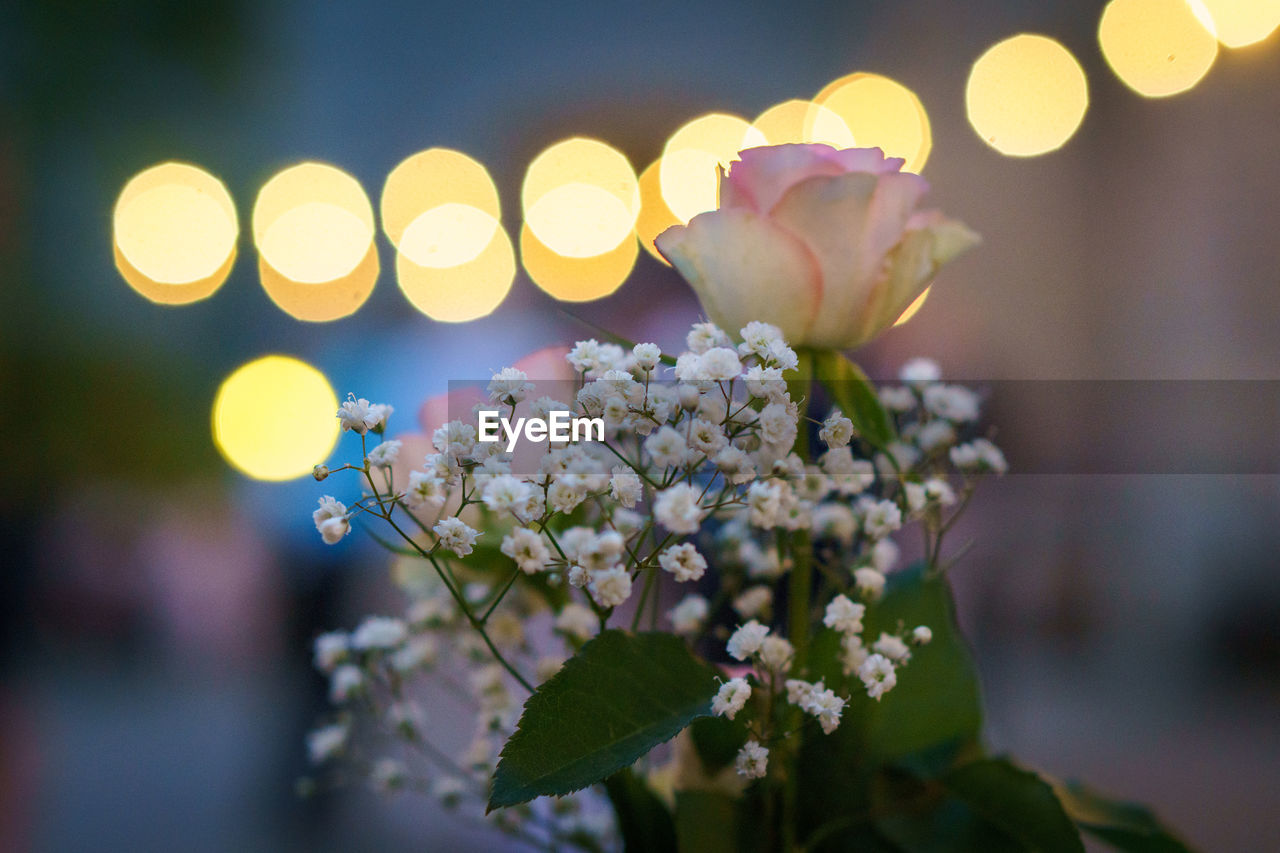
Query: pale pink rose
<point x="828" y="245"/>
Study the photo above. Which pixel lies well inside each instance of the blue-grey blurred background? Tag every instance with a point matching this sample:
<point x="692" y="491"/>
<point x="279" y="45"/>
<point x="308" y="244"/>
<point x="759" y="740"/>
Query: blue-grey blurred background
<point x="158" y="606"/>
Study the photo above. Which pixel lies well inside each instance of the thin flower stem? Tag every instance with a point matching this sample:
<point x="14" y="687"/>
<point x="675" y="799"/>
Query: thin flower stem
<point x="501" y="595"/>
<point x="644" y="598"/>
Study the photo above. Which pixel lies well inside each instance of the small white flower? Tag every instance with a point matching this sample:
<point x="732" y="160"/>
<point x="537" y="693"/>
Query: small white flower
<point x="837" y="430"/>
<point x="687" y="616"/>
<point x="878" y="675"/>
<point x="892" y="647"/>
<point x="547" y="666"/>
<point x="897" y="398"/>
<point x="456" y="536"/>
<point x="869" y="582"/>
<point x="844" y="615"/>
<point x="853" y="653"/>
<point x="776" y="654"/>
<point x="684" y="562"/>
<point x="346" y="681"/>
<point x="798" y="692"/>
<point x="731" y="698"/>
<point x="922" y="635"/>
<point x="505" y="492"/>
<point x="766" y="383"/>
<point x="706" y="438"/>
<point x="719" y="364"/>
<point x="935" y="435"/>
<point x="952" y="402"/>
<point x="747" y="640"/>
<point x="359" y="416"/>
<point x="379" y="632"/>
<point x="881" y="518"/>
<point x="330" y="650"/>
<point x="610" y="587"/>
<point x="704" y="336"/>
<point x="509" y="386"/>
<point x="677" y="509"/>
<point x="835" y="521"/>
<point x="777" y="423"/>
<point x="754" y="601"/>
<point x="764" y="503"/>
<point x="527" y="549"/>
<point x="565" y="493"/>
<point x="333" y="529"/>
<point x="666" y="448"/>
<point x="758" y="337"/>
<point x="625" y="486"/>
<point x="426" y="491"/>
<point x="385" y="454"/>
<point x="388" y="774"/>
<point x="326" y="742"/>
<point x="418" y="652"/>
<point x="577" y="621"/>
<point x="920" y="372"/>
<point x="736" y="465"/>
<point x="752" y="761"/>
<point x="646" y="356"/>
<point x="585" y="355"/>
<point x="884" y="554"/>
<point x="979" y="455"/>
<point x="826" y="706"/>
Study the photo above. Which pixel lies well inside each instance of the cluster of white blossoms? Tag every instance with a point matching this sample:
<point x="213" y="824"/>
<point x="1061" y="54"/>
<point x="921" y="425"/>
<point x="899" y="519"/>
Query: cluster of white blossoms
<point x="691" y="514"/>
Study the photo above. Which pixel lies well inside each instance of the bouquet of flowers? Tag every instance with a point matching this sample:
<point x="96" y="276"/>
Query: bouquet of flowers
<point x="687" y="626"/>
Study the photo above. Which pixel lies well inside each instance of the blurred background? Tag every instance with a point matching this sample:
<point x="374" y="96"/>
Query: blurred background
<point x="160" y="588"/>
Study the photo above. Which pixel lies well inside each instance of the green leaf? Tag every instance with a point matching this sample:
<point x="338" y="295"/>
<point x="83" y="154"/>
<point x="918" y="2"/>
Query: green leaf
<point x="937" y="700"/>
<point x="706" y="822"/>
<point x="855" y="395"/>
<point x="619" y="697"/>
<point x="1018" y="802"/>
<point x="1126" y="826"/>
<point x="717" y="741"/>
<point x="948" y="827"/>
<point x="643" y="820"/>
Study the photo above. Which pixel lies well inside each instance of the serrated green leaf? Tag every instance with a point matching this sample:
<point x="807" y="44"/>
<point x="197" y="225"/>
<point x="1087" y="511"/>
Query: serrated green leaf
<point x="1018" y="802"/>
<point x="1125" y="826"/>
<point x="619" y="697"/>
<point x="644" y="821"/>
<point x="855" y="395"/>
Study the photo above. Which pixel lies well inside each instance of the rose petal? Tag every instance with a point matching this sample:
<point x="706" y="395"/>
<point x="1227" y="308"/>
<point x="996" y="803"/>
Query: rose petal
<point x="744" y="268"/>
<point x="760" y="176"/>
<point x="850" y="223"/>
<point x="867" y="160"/>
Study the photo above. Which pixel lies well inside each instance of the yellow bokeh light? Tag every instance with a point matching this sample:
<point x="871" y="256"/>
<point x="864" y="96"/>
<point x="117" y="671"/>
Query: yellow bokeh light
<point x="803" y="121"/>
<point x="880" y="113"/>
<point x="275" y="418"/>
<point x="440" y="207"/>
<point x="324" y="302"/>
<point x="464" y="292"/>
<point x="174" y="233"/>
<point x="581" y="197"/>
<point x="655" y="217"/>
<point x="1157" y="47"/>
<point x="313" y="223"/>
<point x="576" y="279"/>
<point x="1238" y="23"/>
<point x="914" y="307"/>
<point x="1026" y="95"/>
<point x="688" y="172"/>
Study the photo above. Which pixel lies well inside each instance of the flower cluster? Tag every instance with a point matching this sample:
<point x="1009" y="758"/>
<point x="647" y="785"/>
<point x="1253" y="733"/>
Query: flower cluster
<point x="714" y="487"/>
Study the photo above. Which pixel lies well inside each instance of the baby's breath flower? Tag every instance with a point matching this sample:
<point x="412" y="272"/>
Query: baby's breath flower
<point x="359" y="416"/>
<point x="385" y="454"/>
<point x="844" y="615"/>
<point x="776" y="654"/>
<point x="347" y="680"/>
<point x="898" y="399"/>
<point x="919" y="372"/>
<point x="326" y="742"/>
<point x="704" y="336"/>
<point x="509" y="386"/>
<point x="610" y="587"/>
<point x="677" y="509"/>
<point x="731" y="698"/>
<point x="892" y="647"/>
<point x="752" y="761"/>
<point x="646" y="356"/>
<point x="979" y="455"/>
<point x="687" y="616"/>
<point x="527" y="549"/>
<point x="683" y="561"/>
<point x="951" y="402"/>
<point x="577" y="621"/>
<point x="835" y="521"/>
<point x="331" y="520"/>
<point x="379" y="633"/>
<point x="666" y="448"/>
<point x="869" y="582"/>
<point x="853" y="653"/>
<point x="456" y="536"/>
<point x="764" y="502"/>
<point x="880" y="518"/>
<point x="330" y="650"/>
<point x="719" y="364"/>
<point x="837" y="430"/>
<point x="878" y="675"/>
<point x="754" y="601"/>
<point x="935" y="435"/>
<point x="824" y="704"/>
<point x="884" y="554"/>
<point x="922" y="635"/>
<point x="735" y="465"/>
<point x="426" y="491"/>
<point x="585" y="355"/>
<point x="625" y="486"/>
<point x="746" y="641"/>
<point x="418" y="652"/>
<point x="505" y="492"/>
